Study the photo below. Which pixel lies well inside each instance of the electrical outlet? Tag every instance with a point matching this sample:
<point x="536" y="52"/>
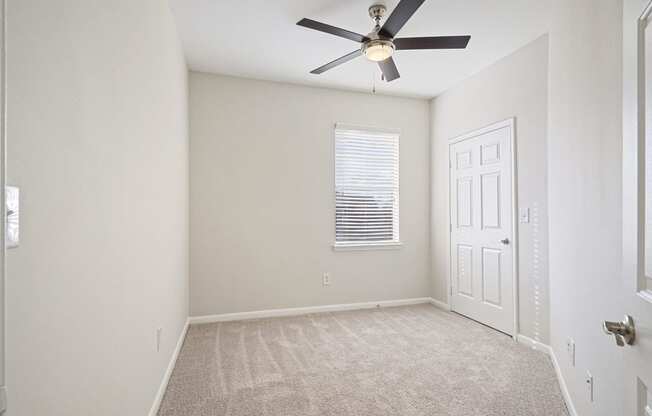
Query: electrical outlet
<point x="3" y="399"/>
<point x="589" y="385"/>
<point x="158" y="339"/>
<point x="570" y="348"/>
<point x="326" y="279"/>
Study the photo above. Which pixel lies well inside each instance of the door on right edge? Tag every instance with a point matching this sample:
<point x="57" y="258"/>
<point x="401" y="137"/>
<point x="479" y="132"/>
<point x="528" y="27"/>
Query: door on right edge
<point x="636" y="298"/>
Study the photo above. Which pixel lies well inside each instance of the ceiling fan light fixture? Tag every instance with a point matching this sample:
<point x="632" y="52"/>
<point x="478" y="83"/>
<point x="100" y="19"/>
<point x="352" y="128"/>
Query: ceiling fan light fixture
<point x="378" y="46"/>
<point x="378" y="50"/>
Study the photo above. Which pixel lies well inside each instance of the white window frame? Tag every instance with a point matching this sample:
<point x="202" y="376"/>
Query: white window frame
<point x="396" y="242"/>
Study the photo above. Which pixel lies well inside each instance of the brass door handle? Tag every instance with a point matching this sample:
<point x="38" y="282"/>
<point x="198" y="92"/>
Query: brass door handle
<point x="624" y="331"/>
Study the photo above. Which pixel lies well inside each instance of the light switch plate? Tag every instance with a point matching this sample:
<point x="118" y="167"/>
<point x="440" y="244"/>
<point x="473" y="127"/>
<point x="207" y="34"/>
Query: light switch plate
<point x="12" y="203"/>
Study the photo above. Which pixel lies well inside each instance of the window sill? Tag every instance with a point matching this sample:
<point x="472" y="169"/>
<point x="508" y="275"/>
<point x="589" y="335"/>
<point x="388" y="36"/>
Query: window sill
<point x="367" y="246"/>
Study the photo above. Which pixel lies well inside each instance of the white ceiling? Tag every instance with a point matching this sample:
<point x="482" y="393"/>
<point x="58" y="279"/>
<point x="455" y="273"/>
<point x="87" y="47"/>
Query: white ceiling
<point x="260" y="39"/>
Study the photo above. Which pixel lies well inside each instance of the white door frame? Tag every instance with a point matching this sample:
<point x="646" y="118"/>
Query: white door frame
<point x="641" y="124"/>
<point x="510" y="123"/>
<point x="3" y="208"/>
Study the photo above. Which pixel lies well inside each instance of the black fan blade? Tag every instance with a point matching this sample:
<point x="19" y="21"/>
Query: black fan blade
<point x="338" y="61"/>
<point x="435" y="42"/>
<point x="390" y="72"/>
<point x="399" y="17"/>
<point x="323" y="27"/>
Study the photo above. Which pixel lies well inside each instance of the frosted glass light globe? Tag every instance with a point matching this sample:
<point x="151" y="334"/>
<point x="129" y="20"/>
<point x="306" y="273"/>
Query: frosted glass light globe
<point x="378" y="50"/>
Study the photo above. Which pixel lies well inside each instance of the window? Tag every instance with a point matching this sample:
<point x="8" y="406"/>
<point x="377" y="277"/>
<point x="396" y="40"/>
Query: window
<point x="366" y="187"/>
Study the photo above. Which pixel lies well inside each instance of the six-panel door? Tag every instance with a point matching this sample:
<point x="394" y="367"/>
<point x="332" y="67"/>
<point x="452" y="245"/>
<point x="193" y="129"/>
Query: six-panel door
<point x="481" y="227"/>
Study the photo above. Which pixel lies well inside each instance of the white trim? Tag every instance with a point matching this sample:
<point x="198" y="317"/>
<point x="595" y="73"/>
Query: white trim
<point x="515" y="224"/>
<point x="535" y="345"/>
<point x="389" y="245"/>
<point x="273" y="313"/>
<point x="440" y="305"/>
<point x="3" y="209"/>
<point x="396" y="237"/>
<point x="562" y="385"/>
<point x="511" y="124"/>
<point x="646" y="12"/>
<point x="646" y="295"/>
<point x="641" y="126"/>
<point x="168" y="372"/>
<point x="560" y="378"/>
<point x="3" y="184"/>
<point x="365" y="129"/>
<point x="483" y="130"/>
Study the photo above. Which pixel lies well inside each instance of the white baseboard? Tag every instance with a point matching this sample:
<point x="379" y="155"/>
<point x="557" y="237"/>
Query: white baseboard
<point x="562" y="385"/>
<point x="548" y="350"/>
<point x="168" y="372"/>
<point x="271" y="313"/>
<point x="439" y="304"/>
<point x="536" y="345"/>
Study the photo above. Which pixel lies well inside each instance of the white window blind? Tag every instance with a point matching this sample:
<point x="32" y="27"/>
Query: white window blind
<point x="366" y="187"/>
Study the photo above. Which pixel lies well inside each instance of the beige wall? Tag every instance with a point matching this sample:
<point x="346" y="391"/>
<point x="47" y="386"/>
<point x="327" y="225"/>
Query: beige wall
<point x="516" y="87"/>
<point x="262" y="198"/>
<point x="98" y="145"/>
<point x="585" y="190"/>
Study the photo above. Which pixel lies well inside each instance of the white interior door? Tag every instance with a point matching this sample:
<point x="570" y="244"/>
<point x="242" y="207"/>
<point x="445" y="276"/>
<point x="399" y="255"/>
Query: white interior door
<point x="482" y="246"/>
<point x="637" y="205"/>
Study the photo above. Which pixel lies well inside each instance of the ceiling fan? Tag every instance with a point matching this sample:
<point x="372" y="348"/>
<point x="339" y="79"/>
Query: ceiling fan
<point x="381" y="42"/>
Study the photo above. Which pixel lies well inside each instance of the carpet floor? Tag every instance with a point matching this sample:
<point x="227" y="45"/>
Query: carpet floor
<point x="413" y="360"/>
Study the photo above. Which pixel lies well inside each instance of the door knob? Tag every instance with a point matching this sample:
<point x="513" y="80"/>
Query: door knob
<point x="624" y="331"/>
<point x="504" y="241"/>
